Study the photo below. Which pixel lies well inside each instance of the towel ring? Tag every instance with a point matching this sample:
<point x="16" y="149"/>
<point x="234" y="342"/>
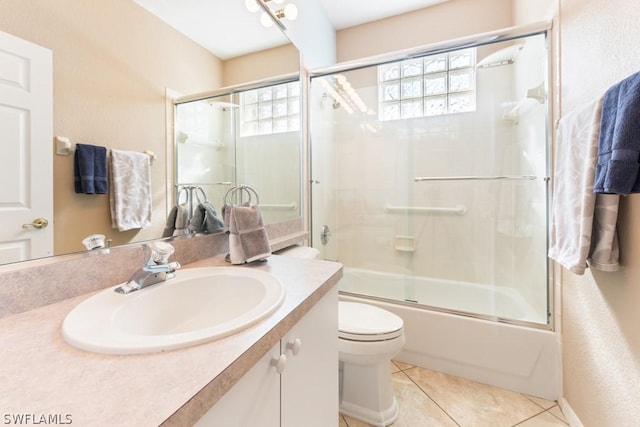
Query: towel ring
<point x="238" y="190"/>
<point x="181" y="191"/>
<point x="200" y="192"/>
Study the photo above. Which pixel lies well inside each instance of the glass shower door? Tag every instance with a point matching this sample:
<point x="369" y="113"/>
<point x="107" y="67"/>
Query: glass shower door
<point x="431" y="173"/>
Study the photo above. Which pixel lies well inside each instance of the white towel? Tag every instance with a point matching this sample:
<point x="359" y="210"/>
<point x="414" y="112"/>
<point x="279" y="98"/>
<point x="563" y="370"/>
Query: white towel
<point x="573" y="234"/>
<point x="130" y="190"/>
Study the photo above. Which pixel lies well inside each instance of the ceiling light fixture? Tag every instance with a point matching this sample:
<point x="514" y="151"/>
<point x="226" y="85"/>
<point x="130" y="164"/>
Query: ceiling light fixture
<point x="269" y="16"/>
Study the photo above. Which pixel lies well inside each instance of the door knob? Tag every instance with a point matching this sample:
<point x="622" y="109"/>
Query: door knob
<point x="37" y="223"/>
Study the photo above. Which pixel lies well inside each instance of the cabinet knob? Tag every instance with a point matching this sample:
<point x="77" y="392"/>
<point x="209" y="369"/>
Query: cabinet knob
<point x="280" y="363"/>
<point x="295" y="346"/>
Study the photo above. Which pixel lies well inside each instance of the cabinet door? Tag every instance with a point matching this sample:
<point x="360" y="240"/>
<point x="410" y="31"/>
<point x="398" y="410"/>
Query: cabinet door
<point x="309" y="384"/>
<point x="253" y="401"/>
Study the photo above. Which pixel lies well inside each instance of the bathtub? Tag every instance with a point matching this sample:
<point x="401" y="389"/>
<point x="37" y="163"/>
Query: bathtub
<point x="518" y="358"/>
<point x="491" y="301"/>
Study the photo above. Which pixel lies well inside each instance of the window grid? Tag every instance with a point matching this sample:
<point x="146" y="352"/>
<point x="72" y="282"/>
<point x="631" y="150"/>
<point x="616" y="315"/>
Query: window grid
<point x="427" y="86"/>
<point x="269" y="110"/>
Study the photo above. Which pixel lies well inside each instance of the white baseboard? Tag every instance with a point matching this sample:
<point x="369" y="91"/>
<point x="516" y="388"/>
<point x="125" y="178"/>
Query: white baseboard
<point x="568" y="413"/>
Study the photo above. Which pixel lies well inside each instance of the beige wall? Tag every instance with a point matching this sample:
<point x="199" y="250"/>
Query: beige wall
<point x="274" y="62"/>
<point x="445" y="21"/>
<point x="112" y="61"/>
<point x="600" y="312"/>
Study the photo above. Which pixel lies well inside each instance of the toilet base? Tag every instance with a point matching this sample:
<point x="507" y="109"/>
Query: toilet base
<point x="378" y="419"/>
<point x="366" y="393"/>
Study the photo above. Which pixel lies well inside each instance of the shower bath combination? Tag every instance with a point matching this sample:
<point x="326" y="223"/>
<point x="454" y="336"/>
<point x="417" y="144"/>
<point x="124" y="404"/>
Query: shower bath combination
<point x="436" y="194"/>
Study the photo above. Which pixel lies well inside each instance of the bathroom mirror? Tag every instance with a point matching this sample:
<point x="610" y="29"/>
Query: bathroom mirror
<point x="249" y="136"/>
<point x="114" y="64"/>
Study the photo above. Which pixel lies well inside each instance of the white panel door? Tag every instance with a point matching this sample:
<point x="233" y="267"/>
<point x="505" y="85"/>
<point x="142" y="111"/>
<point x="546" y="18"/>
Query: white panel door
<point x="26" y="159"/>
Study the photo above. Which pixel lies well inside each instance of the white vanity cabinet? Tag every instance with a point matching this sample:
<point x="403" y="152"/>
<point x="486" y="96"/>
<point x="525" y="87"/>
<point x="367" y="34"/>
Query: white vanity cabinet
<point x="304" y="393"/>
<point x="309" y="384"/>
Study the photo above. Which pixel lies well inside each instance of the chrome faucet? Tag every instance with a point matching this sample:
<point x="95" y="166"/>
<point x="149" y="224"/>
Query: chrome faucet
<point x="157" y="268"/>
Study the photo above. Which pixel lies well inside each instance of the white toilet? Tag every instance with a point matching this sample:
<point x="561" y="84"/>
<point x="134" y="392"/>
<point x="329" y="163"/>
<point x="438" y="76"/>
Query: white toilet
<point x="368" y="338"/>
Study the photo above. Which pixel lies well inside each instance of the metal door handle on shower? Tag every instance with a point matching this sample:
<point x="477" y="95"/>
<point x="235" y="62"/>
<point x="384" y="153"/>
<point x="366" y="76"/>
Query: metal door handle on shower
<point x="324" y="234"/>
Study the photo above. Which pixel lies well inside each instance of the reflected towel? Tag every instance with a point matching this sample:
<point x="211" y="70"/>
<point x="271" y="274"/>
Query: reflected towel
<point x="90" y="169"/>
<point x="205" y="219"/>
<point x="177" y="222"/>
<point x="619" y="142"/>
<point x="248" y="239"/>
<point x="130" y="190"/>
<point x="574" y="202"/>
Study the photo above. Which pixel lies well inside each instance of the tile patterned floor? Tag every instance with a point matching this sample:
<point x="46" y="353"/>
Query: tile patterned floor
<point x="431" y="399"/>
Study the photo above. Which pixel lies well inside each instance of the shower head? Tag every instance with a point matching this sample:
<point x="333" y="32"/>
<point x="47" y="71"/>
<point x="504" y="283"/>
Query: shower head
<point x="335" y="103"/>
<point x="223" y="106"/>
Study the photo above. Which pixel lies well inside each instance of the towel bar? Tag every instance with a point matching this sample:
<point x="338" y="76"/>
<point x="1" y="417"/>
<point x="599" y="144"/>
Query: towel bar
<point x="64" y="147"/>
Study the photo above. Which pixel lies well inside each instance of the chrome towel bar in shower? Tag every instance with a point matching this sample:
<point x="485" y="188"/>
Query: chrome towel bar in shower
<point x="479" y="178"/>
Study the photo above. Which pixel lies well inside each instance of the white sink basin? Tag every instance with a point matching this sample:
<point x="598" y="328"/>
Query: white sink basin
<point x="198" y="305"/>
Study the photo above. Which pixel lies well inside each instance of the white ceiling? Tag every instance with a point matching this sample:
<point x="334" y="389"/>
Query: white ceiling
<point x="228" y="29"/>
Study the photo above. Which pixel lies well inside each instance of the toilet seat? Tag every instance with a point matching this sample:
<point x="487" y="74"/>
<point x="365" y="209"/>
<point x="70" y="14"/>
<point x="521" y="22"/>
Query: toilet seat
<point x="367" y="323"/>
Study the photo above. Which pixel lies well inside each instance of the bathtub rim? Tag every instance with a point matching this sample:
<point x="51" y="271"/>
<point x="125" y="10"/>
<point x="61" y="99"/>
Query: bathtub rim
<point x="489" y="318"/>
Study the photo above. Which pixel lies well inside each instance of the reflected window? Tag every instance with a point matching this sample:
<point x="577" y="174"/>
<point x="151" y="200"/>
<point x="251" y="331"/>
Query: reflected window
<point x="269" y="110"/>
<point x="427" y="86"/>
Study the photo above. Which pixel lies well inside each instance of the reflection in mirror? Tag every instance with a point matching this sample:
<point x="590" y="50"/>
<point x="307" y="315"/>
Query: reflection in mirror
<point x="109" y="88"/>
<point x="247" y="137"/>
<point x="205" y="150"/>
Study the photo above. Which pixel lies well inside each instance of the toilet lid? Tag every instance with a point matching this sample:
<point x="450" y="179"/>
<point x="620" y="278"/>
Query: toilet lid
<point x="365" y="322"/>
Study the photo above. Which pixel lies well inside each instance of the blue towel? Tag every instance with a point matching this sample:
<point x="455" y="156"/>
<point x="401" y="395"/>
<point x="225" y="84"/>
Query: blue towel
<point x="90" y="169"/>
<point x="619" y="143"/>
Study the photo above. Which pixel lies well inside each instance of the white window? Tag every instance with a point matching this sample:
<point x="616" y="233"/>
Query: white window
<point x="270" y="109"/>
<point x="427" y="86"/>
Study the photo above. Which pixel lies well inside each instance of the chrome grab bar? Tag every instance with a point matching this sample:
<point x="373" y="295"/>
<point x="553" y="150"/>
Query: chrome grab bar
<point x="284" y="206"/>
<point x="459" y="209"/>
<point x="475" y="178"/>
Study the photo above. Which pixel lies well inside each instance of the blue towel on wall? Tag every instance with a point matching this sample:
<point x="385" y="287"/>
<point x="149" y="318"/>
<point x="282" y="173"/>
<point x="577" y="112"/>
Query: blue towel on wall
<point x="619" y="143"/>
<point x="90" y="169"/>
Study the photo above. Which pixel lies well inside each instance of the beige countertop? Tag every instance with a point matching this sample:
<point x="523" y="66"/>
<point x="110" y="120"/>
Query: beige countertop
<point x="43" y="376"/>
